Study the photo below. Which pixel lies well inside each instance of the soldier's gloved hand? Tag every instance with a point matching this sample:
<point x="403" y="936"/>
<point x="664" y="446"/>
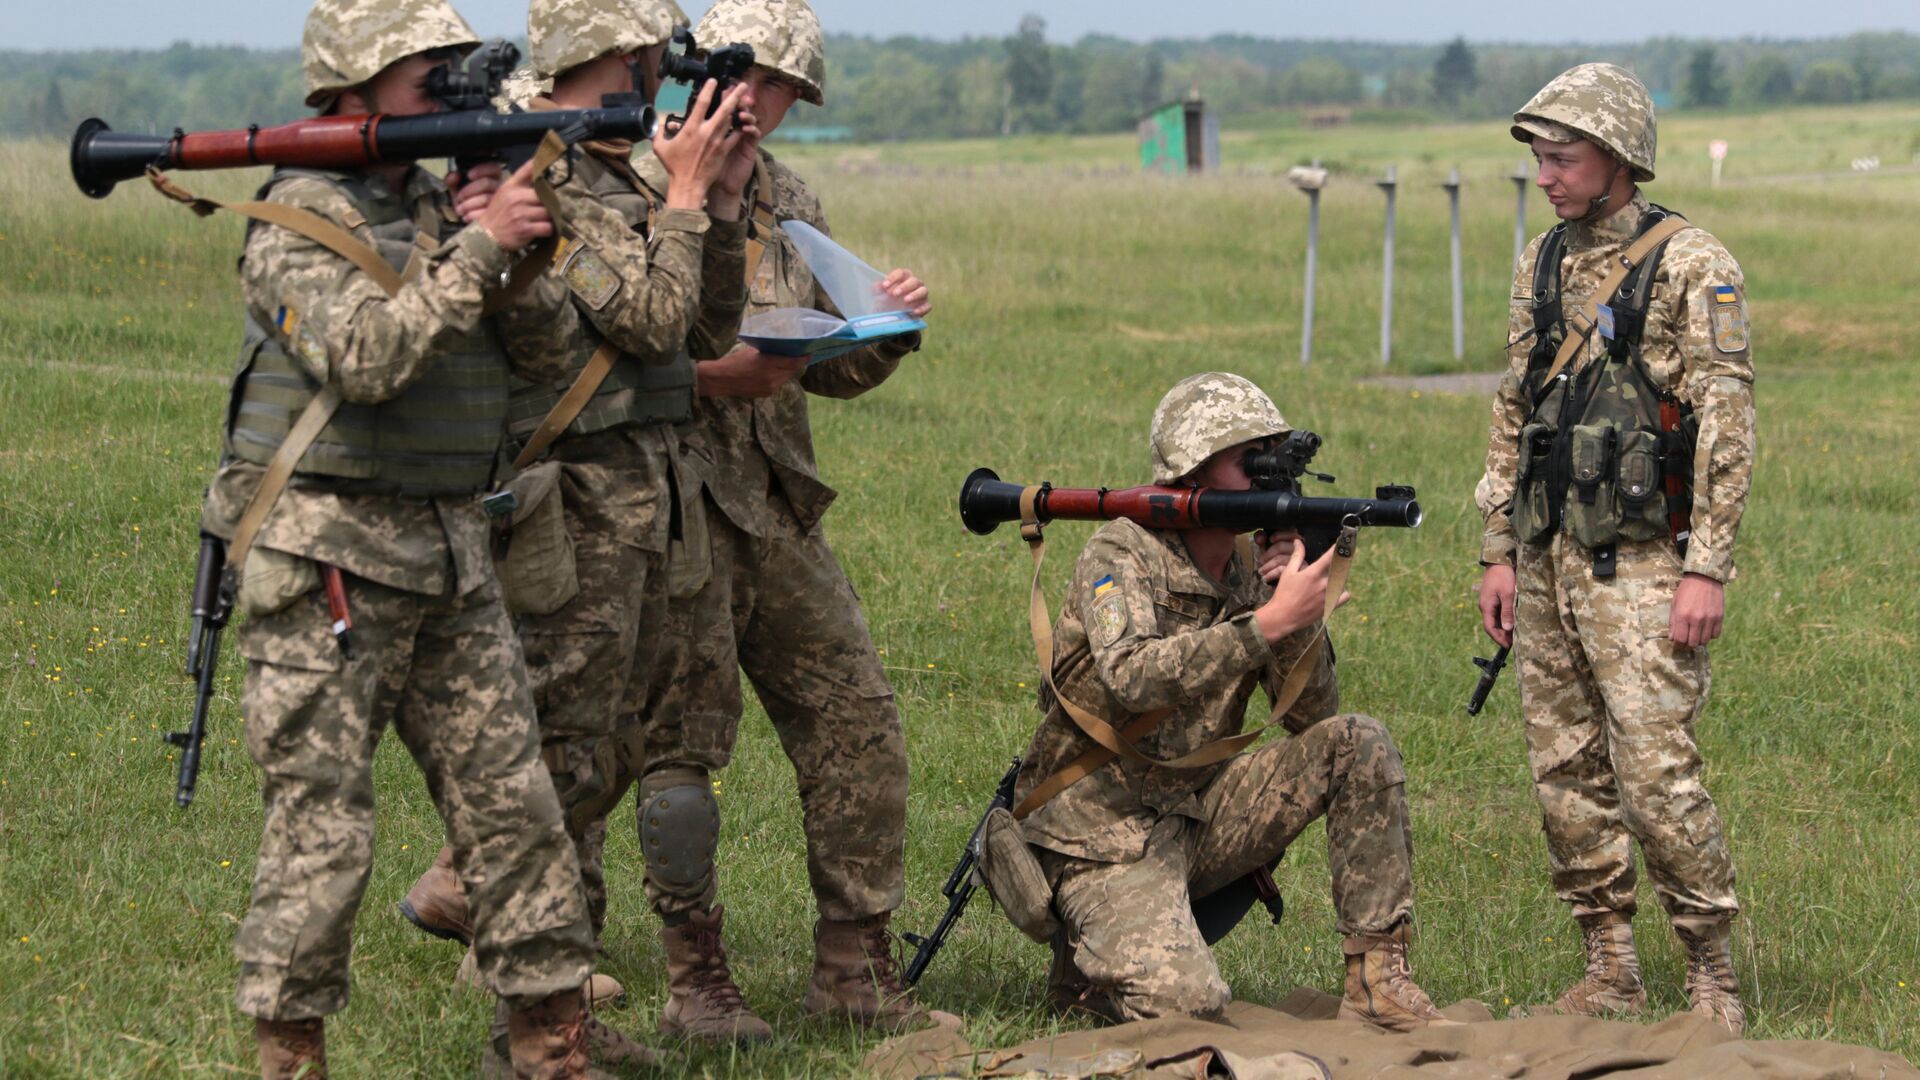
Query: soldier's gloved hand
<point x="1497" y="588"/>
<point x="1276" y="549"/>
<point x="746" y="372"/>
<point x="1699" y="608"/>
<point x="908" y="291"/>
<point x="515" y="217"/>
<point x="475" y="189"/>
<point x="1299" y="595"/>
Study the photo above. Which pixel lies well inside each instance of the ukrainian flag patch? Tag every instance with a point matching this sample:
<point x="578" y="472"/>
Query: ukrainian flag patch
<point x="286" y="320"/>
<point x="1102" y="587"/>
<point x="1725" y="294"/>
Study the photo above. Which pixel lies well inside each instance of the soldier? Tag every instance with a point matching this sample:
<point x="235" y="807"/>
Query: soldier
<point x="1631" y="382"/>
<point x="382" y="394"/>
<point x="653" y="291"/>
<point x="766" y="595"/>
<point x="1183" y="625"/>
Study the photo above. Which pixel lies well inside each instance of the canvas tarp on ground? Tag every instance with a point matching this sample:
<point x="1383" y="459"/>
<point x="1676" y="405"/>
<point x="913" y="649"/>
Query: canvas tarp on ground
<point x="1299" y="1040"/>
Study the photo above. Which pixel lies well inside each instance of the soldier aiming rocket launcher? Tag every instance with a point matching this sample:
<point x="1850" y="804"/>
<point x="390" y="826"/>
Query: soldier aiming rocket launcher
<point x="1274" y="502"/>
<point x="471" y="132"/>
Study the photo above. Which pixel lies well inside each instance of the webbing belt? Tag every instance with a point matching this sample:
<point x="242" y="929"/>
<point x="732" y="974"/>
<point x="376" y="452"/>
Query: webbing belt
<point x="763" y="219"/>
<point x="314" y="418"/>
<point x="1582" y="322"/>
<point x="1111" y="743"/>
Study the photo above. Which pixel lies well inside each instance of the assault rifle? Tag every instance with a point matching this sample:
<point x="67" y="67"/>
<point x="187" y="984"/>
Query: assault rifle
<point x="960" y="884"/>
<point x="469" y="133"/>
<point x="212" y="607"/>
<point x="1489" y="674"/>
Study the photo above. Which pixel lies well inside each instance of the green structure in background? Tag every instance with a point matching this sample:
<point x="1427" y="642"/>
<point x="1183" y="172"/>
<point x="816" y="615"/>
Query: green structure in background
<point x="1180" y="138"/>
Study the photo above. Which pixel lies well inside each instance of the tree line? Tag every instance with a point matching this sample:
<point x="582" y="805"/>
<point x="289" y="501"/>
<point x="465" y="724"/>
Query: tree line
<point x="906" y="87"/>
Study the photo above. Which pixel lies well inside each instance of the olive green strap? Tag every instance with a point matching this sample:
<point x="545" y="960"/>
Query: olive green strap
<point x="1589" y="317"/>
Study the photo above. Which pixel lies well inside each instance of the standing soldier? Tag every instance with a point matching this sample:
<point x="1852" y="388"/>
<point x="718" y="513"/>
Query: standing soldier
<point x="636" y="280"/>
<point x="775" y="589"/>
<point x="1617" y="470"/>
<point x="1182" y="625"/>
<point x="365" y="418"/>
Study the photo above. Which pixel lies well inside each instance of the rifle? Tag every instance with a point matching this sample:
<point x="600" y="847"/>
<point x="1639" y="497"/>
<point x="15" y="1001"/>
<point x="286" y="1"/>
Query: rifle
<point x="1489" y="674"/>
<point x="212" y="607"/>
<point x="960" y="884"/>
<point x="470" y="133"/>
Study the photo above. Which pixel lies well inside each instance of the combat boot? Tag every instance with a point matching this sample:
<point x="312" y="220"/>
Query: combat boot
<point x="1380" y="986"/>
<point x="548" y="1041"/>
<point x="1711" y="987"/>
<point x="292" y="1049"/>
<point x="600" y="988"/>
<point x="1612" y="984"/>
<point x="857" y="976"/>
<point x="437" y="903"/>
<point x="703" y="1002"/>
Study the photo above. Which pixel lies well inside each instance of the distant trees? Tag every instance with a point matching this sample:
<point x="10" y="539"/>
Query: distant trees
<point x="1706" y="83"/>
<point x="1766" y="80"/>
<point x="1029" y="73"/>
<point x="1829" y="82"/>
<point x="1454" y="76"/>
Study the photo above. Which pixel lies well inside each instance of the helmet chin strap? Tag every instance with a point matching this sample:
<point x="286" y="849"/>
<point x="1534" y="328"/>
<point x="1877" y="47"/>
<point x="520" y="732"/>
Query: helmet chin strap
<point x="1597" y="206"/>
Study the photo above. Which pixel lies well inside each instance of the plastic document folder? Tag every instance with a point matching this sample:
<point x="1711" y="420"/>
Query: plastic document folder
<point x="869" y="311"/>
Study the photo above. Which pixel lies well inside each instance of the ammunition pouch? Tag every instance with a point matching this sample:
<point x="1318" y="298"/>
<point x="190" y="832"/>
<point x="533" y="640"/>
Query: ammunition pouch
<point x="1013" y="875"/>
<point x="534" y="560"/>
<point x="1533" y="514"/>
<point x="274" y="580"/>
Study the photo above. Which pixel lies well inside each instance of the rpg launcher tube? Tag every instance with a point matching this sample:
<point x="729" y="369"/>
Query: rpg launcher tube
<point x="101" y="157"/>
<point x="986" y="501"/>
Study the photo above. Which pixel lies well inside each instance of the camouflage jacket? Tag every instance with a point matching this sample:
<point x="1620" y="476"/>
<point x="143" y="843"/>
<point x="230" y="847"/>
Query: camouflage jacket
<point x="758" y="446"/>
<point x="1144" y="629"/>
<point x="622" y="477"/>
<point x="371" y="348"/>
<point x="1681" y="352"/>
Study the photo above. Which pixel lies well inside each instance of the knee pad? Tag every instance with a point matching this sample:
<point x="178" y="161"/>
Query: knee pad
<point x="679" y="833"/>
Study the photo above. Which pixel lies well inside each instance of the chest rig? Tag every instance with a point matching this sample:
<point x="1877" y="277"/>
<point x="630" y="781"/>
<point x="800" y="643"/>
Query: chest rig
<point x="438" y="437"/>
<point x="632" y="391"/>
<point x="1606" y="453"/>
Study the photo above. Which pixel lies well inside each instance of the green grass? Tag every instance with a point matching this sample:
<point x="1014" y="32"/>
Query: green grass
<point x="1071" y="293"/>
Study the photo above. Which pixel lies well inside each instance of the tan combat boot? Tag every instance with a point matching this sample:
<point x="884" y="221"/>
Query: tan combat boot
<point x="548" y="1041"/>
<point x="292" y="1049"/>
<point x="855" y="975"/>
<point x="1380" y="986"/>
<point x="1611" y="985"/>
<point x="703" y="1002"/>
<point x="437" y="903"/>
<point x="600" y="988"/>
<point x="605" y="1046"/>
<point x="1711" y="986"/>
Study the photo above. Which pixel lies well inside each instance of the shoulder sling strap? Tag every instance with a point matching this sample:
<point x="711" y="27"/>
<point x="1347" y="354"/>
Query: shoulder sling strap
<point x="1581" y="323"/>
<point x="1111" y="743"/>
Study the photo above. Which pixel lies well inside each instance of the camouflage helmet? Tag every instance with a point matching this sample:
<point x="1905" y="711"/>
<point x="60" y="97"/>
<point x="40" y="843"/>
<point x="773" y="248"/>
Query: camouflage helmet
<point x="563" y="34"/>
<point x="1205" y="414"/>
<point x="347" y="42"/>
<point x="1598" y="102"/>
<point x="785" y="35"/>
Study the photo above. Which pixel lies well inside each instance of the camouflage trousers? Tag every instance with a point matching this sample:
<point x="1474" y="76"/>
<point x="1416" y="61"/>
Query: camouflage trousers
<point x="445" y="671"/>
<point x="1130" y="947"/>
<point x="780" y="608"/>
<point x="587" y="662"/>
<point x="1610" y="704"/>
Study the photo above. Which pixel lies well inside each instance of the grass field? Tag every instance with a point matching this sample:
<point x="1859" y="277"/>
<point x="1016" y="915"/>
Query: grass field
<point x="1070" y="295"/>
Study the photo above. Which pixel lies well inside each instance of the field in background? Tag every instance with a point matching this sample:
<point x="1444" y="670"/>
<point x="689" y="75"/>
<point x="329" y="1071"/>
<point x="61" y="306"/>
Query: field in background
<point x="1070" y="293"/>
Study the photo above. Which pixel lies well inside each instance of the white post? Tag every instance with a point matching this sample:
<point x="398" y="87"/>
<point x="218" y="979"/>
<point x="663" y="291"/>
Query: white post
<point x="1459" y="311"/>
<point x="1522" y="179"/>
<point x="1309" y="179"/>
<point x="1387" y="185"/>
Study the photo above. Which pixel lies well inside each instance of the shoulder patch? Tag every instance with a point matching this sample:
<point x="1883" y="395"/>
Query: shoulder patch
<point x="1108" y="620"/>
<point x="1729" y="314"/>
<point x="308" y="346"/>
<point x="589" y="276"/>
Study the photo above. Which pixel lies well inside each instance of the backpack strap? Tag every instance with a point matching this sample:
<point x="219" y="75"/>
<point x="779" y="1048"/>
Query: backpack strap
<point x="1581" y="324"/>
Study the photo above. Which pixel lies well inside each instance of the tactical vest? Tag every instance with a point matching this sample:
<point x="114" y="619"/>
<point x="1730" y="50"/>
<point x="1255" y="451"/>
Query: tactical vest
<point x="438" y="437"/>
<point x="638" y="392"/>
<point x="1594" y="453"/>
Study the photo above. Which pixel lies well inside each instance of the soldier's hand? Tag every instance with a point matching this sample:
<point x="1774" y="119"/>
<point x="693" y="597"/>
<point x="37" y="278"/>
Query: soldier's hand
<point x="746" y="372"/>
<point x="474" y="189"/>
<point x="515" y="217"/>
<point x="1699" y="608"/>
<point x="697" y="151"/>
<point x="909" y="292"/>
<point x="1497" y="589"/>
<point x="1276" y="548"/>
<point x="1299" y="595"/>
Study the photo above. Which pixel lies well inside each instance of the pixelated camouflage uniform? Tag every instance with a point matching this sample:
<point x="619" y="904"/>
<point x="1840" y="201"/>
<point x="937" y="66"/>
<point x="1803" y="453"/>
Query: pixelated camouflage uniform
<point x="1610" y="700"/>
<point x="1144" y="629"/>
<point x="435" y="652"/>
<point x="777" y="605"/>
<point x="669" y="287"/>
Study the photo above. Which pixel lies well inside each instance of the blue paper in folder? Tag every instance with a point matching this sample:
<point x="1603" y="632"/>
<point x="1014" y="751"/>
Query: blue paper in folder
<point x="870" y="312"/>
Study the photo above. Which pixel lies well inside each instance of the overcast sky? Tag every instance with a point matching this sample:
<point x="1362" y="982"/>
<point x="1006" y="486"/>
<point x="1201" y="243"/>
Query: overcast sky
<point x="75" y="24"/>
